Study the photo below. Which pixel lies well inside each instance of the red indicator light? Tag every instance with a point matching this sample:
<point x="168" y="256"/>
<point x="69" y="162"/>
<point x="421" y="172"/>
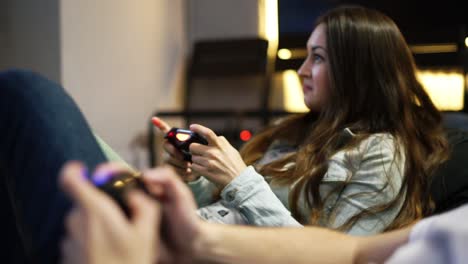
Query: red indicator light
<point x="245" y="135"/>
<point x="182" y="137"/>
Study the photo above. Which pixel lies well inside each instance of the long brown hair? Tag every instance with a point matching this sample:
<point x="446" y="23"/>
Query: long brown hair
<point x="373" y="88"/>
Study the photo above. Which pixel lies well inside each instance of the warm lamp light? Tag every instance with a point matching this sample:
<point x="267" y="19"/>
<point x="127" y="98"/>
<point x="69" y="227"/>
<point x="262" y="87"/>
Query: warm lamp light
<point x="434" y="48"/>
<point x="446" y="89"/>
<point x="292" y="90"/>
<point x="268" y="24"/>
<point x="284" y="54"/>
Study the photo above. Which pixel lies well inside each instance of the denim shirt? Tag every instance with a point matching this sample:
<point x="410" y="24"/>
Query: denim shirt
<point x="372" y="171"/>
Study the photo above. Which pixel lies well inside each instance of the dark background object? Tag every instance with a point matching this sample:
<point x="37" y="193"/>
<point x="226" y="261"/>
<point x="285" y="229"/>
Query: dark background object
<point x="421" y="22"/>
<point x="298" y="16"/>
<point x="227" y="88"/>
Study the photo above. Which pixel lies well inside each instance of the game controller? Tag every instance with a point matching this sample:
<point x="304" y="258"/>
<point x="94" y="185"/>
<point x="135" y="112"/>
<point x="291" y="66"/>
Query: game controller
<point x="118" y="185"/>
<point x="182" y="138"/>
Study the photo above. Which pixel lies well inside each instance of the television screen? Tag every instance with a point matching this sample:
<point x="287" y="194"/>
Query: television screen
<point x="298" y="16"/>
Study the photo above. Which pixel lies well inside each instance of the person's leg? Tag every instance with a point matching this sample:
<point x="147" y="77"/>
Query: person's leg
<point x="41" y="128"/>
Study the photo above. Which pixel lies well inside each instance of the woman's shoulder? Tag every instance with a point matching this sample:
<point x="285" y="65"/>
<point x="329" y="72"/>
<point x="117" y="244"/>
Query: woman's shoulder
<point x="381" y="140"/>
<point x="376" y="146"/>
<point x="374" y="154"/>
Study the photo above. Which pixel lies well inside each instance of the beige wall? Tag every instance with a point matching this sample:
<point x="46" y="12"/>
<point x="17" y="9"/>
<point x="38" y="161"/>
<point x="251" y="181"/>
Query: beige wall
<point x="3" y="35"/>
<point x="222" y="19"/>
<point x="29" y="36"/>
<point x="122" y="60"/>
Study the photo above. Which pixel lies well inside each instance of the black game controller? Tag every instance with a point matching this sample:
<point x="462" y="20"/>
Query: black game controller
<point x="182" y="138"/>
<point x="118" y="185"/>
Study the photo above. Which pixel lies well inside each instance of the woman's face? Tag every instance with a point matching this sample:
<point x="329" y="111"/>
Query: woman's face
<point x="314" y="71"/>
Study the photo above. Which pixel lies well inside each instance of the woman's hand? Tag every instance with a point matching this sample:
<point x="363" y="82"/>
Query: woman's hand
<point x="176" y="158"/>
<point x="97" y="229"/>
<point x="219" y="161"/>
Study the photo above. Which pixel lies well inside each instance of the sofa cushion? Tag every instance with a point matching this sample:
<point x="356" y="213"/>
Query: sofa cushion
<point x="449" y="187"/>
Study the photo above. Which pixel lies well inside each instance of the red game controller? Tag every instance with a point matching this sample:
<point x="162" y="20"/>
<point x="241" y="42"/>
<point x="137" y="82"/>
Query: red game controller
<point x="182" y="138"/>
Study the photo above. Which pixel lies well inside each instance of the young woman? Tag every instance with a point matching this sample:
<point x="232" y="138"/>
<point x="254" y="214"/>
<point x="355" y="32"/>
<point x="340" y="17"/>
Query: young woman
<point x="360" y="161"/>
